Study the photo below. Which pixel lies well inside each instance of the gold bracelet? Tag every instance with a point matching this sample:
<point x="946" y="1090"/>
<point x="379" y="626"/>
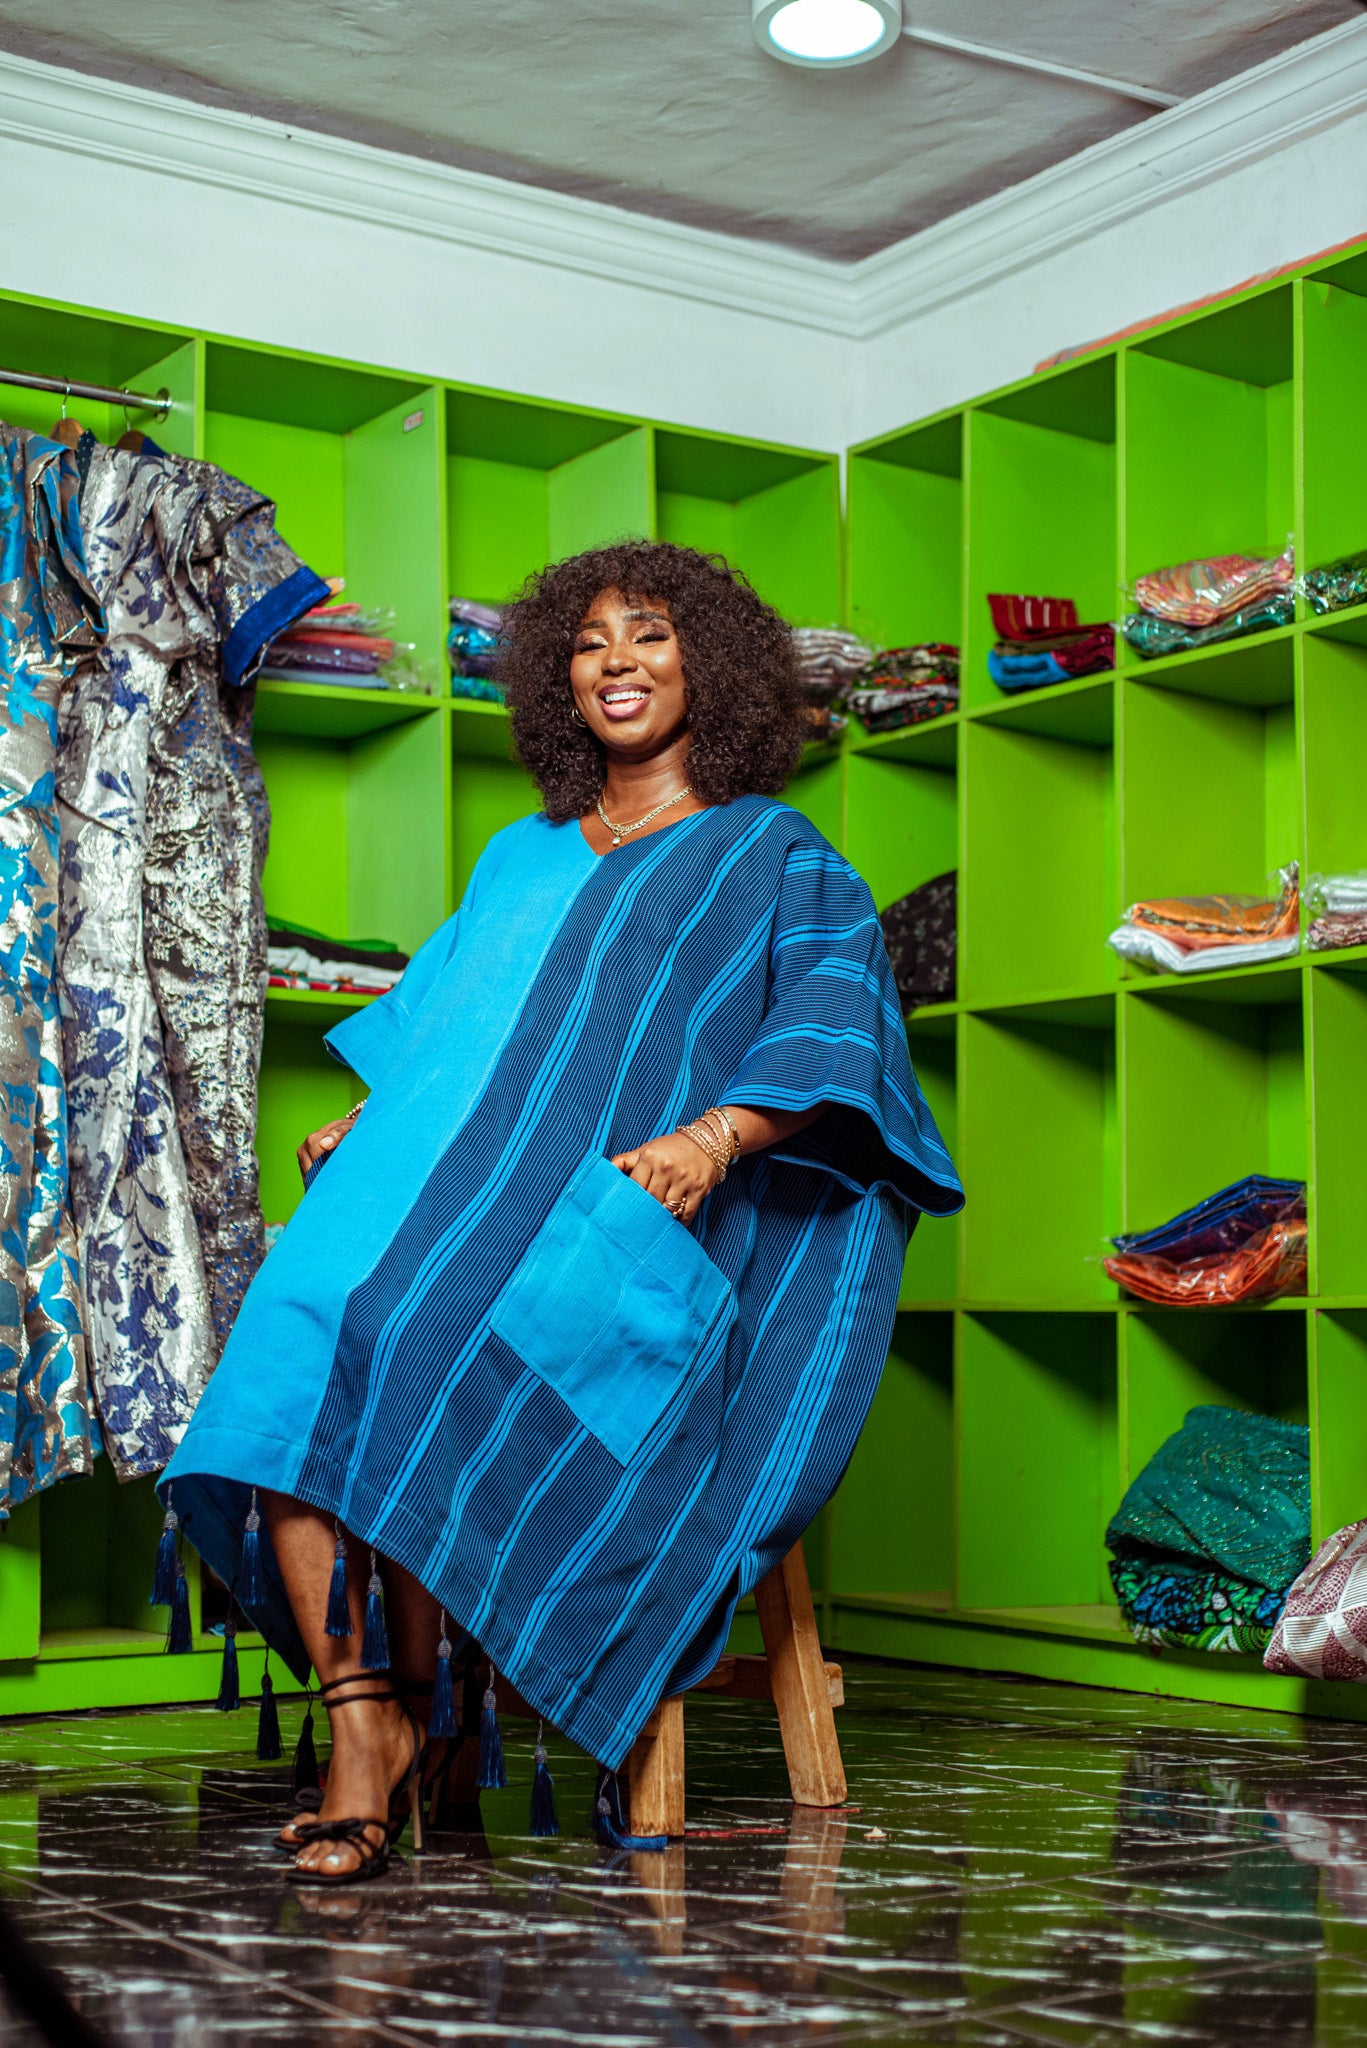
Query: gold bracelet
<point x="707" y="1144"/>
<point x="726" y="1130"/>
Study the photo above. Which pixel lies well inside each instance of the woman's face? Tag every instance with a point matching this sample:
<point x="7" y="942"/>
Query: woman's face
<point x="627" y="676"/>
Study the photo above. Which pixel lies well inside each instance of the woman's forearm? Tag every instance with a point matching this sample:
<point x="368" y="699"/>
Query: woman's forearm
<point x="761" y="1128"/>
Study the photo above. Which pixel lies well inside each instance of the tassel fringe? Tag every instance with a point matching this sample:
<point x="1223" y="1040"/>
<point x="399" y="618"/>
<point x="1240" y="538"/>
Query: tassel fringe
<point x="179" y="1639"/>
<point x="375" y="1641"/>
<point x="338" y="1621"/>
<point x="268" y="1750"/>
<point x="305" y="1777"/>
<point x="253" y="1592"/>
<point x="544" y="1819"/>
<point x="442" y="1725"/>
<point x="229" y="1686"/>
<point x="493" y="1775"/>
<point x="607" y="1820"/>
<point x="164" y="1578"/>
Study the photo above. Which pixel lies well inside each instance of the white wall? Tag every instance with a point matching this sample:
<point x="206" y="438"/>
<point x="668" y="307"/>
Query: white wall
<point x="166" y="211"/>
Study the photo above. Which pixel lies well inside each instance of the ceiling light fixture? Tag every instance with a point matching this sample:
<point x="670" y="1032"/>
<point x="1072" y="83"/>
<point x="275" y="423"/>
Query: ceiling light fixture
<point x="825" y="34"/>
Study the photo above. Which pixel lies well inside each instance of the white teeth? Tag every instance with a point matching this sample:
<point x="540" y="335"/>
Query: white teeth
<point x="624" y="696"/>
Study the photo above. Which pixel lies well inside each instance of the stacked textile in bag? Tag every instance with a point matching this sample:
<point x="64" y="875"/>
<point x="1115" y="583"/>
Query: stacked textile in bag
<point x="1194" y="934"/>
<point x="472" y="649"/>
<point x="1244" y="1243"/>
<point x="341" y="643"/>
<point x="1040" y="642"/>
<point x="1212" y="1535"/>
<point x="298" y="957"/>
<point x="829" y="662"/>
<point x="1338" y="911"/>
<point x="1337" y="584"/>
<point x="1213" y="598"/>
<point x="906" y="686"/>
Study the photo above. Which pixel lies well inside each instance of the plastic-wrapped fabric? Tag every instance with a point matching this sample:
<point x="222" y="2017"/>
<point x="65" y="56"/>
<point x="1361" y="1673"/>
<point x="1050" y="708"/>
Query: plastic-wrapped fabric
<point x="478" y="688"/>
<point x="1078" y="654"/>
<point x="1338" y="911"/>
<point x="1338" y="584"/>
<point x="1189" y="934"/>
<point x="888" y="709"/>
<point x="1215" y="1530"/>
<point x="1270" y="1264"/>
<point x="830" y="661"/>
<point x="472" y="649"/>
<point x="1213" y="588"/>
<point x="1222" y="1222"/>
<point x="1031" y="618"/>
<point x="1322" y="1629"/>
<point x="927" y="661"/>
<point x="1335" y="930"/>
<point x="325" y="657"/>
<point x="467" y="612"/>
<point x="1152" y="638"/>
<point x="920" y="932"/>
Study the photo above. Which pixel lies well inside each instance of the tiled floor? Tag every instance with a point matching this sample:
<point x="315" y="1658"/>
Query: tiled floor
<point x="1054" y="1866"/>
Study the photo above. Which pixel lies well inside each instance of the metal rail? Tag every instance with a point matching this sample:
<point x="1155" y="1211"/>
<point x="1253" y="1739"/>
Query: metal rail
<point x="105" y="394"/>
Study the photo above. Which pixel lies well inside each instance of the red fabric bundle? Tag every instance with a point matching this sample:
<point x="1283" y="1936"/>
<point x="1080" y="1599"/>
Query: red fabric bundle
<point x="1271" y="1263"/>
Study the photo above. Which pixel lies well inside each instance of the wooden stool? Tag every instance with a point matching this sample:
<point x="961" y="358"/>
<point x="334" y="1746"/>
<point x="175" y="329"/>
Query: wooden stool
<point x="804" y="1689"/>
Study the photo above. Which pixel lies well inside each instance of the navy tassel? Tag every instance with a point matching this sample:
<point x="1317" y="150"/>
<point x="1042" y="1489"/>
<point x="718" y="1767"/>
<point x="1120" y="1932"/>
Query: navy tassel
<point x="375" y="1641"/>
<point x="607" y="1820"/>
<point x="253" y="1592"/>
<point x="338" y="1621"/>
<point x="305" y="1755"/>
<point x="179" y="1639"/>
<point x="164" y="1580"/>
<point x="544" y="1819"/>
<point x="268" y="1749"/>
<point x="229" y="1687"/>
<point x="442" y="1725"/>
<point x="492" y="1774"/>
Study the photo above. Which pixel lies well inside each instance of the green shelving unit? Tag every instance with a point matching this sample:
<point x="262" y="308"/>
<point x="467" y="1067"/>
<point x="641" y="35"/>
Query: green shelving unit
<point x="1079" y="1096"/>
<point x="1082" y="1096"/>
<point x="414" y="490"/>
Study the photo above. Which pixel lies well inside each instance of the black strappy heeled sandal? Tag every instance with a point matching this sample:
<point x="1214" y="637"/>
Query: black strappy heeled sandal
<point x="308" y="1800"/>
<point x="405" y="1804"/>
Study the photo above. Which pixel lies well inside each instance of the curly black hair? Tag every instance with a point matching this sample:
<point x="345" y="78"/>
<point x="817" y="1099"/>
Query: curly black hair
<point x="738" y="660"/>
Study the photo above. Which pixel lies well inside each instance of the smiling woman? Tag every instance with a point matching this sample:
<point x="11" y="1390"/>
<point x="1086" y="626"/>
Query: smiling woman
<point x="578" y="1331"/>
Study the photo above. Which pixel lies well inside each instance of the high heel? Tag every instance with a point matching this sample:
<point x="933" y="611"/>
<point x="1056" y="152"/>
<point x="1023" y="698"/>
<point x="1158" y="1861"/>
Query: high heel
<point x="308" y="1801"/>
<point x="405" y="1801"/>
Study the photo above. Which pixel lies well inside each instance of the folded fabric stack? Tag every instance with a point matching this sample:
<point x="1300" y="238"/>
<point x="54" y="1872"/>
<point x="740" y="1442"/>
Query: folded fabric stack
<point x="1338" y="584"/>
<point x="1338" y="911"/>
<point x="472" y="649"/>
<point x="336" y="643"/>
<point x="1192" y="934"/>
<point x="297" y="957"/>
<point x="1218" y="597"/>
<point x="1212" y="1535"/>
<point x="1040" y="642"/>
<point x="830" y="662"/>
<point x="920" y="932"/>
<point x="1244" y="1243"/>
<point x="906" y="686"/>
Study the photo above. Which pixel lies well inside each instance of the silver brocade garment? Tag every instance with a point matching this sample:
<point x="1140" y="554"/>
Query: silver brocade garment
<point x="48" y="616"/>
<point x="163" y="950"/>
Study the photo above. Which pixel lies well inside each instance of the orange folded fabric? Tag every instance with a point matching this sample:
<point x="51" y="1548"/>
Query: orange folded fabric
<point x="1269" y="1264"/>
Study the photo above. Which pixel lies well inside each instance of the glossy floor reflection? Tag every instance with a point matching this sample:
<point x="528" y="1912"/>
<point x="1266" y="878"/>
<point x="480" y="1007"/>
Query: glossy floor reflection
<point x="1054" y="1866"/>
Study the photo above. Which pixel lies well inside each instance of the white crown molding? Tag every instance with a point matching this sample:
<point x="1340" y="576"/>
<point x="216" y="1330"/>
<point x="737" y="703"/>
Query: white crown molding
<point x="1293" y="96"/>
<point x="1271" y="108"/>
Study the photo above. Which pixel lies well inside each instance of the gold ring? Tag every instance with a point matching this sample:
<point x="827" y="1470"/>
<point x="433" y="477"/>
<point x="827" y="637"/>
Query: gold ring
<point x="677" y="1208"/>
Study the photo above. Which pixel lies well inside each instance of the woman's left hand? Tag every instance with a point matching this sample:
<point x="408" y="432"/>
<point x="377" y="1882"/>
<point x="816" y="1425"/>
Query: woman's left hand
<point x="673" y="1169"/>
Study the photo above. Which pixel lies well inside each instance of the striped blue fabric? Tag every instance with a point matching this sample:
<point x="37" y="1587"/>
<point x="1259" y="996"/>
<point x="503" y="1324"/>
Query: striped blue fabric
<point x="590" y="1520"/>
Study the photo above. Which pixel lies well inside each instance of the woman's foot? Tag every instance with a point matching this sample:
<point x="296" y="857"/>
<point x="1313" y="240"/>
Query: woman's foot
<point x="373" y="1749"/>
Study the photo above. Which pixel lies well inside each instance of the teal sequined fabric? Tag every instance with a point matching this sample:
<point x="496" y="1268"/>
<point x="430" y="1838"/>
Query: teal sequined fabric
<point x="1338" y="584"/>
<point x="1153" y="637"/>
<point x="1210" y="1536"/>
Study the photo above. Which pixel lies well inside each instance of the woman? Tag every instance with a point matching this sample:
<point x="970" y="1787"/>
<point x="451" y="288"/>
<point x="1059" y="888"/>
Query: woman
<point x="576" y="1331"/>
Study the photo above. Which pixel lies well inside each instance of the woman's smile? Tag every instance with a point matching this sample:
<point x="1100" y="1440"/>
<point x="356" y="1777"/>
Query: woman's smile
<point x="621" y="701"/>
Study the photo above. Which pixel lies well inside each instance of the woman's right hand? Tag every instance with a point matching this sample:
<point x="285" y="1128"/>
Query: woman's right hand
<point x="325" y="1139"/>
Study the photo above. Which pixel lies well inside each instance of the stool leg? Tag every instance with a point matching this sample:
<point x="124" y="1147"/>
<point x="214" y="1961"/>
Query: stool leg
<point x="802" y="1693"/>
<point x="655" y="1773"/>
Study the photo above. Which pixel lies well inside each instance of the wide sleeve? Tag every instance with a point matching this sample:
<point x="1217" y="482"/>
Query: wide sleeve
<point x="833" y="1033"/>
<point x="370" y="1040"/>
<point x="252" y="580"/>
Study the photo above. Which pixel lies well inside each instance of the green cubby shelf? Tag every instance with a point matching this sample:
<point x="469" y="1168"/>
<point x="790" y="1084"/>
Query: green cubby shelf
<point x="1080" y="1096"/>
<point x="1086" y="1096"/>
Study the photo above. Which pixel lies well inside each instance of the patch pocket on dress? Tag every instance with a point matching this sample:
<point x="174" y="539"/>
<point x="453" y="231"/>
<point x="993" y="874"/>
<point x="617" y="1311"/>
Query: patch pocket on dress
<point x="613" y="1305"/>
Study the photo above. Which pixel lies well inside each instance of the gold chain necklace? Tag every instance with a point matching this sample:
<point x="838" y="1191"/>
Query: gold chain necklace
<point x="619" y="832"/>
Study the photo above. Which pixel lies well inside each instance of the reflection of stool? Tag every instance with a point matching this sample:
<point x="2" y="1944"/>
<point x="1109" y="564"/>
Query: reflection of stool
<point x="791" y="1673"/>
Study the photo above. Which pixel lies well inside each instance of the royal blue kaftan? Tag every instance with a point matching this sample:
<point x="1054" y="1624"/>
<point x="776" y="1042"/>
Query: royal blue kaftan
<point x="585" y="1427"/>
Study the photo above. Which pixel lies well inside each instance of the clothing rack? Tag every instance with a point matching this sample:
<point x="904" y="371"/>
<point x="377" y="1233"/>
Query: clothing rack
<point x="105" y="394"/>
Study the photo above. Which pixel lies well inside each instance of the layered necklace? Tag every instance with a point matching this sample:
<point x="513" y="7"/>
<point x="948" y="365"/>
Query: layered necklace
<point x="619" y="832"/>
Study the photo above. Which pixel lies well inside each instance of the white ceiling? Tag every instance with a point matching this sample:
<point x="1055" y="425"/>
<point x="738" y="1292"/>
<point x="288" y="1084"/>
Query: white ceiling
<point x="668" y="108"/>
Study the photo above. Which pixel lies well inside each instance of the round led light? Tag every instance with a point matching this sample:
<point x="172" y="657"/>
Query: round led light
<point x="826" y="33"/>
